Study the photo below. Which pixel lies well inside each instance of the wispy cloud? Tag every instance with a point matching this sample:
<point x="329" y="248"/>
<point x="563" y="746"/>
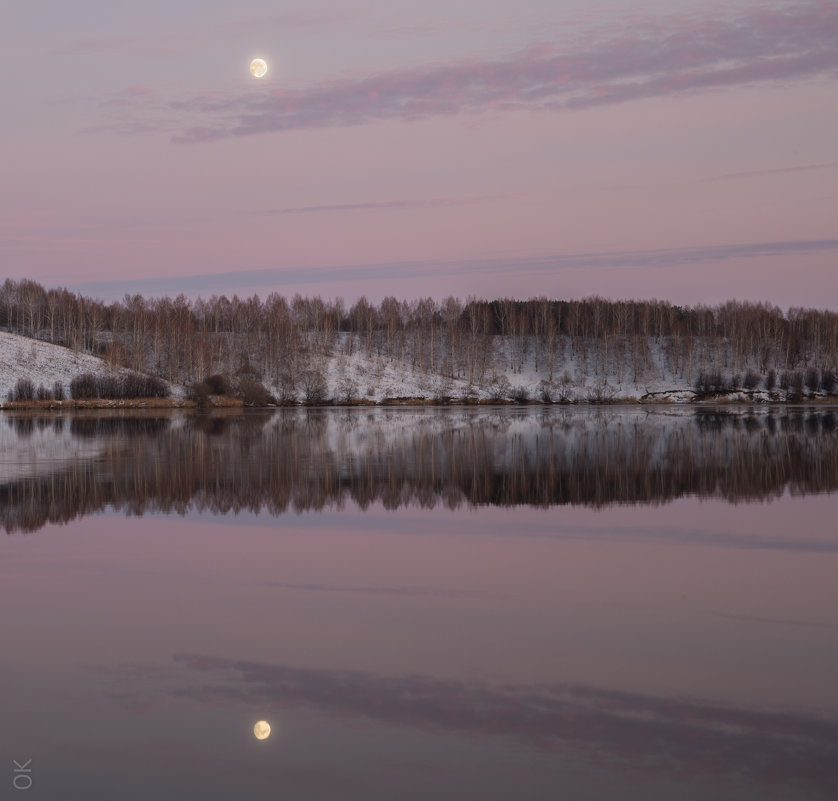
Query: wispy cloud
<point x="294" y="276"/>
<point x="399" y="31"/>
<point x="675" y="55"/>
<point x="735" y="176"/>
<point x="407" y="592"/>
<point x="299" y="19"/>
<point x="129" y="95"/>
<point x="774" y="621"/>
<point x="100" y="43"/>
<point x="381" y="205"/>
<point x="180" y="34"/>
<point x="654" y="733"/>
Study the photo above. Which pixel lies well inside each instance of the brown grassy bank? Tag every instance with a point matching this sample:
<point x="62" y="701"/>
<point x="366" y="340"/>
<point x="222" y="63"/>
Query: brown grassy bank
<point x="218" y="402"/>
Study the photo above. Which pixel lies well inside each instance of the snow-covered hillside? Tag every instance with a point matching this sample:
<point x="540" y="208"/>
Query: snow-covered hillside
<point x="42" y="363"/>
<point x="576" y="376"/>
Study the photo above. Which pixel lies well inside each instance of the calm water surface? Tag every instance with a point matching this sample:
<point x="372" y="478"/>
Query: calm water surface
<point x="424" y="604"/>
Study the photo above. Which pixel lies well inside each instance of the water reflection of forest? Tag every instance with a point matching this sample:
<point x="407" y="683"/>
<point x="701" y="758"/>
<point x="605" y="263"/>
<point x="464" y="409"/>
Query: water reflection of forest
<point x="312" y="459"/>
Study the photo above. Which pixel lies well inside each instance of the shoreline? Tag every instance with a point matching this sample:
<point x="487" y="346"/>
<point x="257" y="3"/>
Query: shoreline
<point x="103" y="404"/>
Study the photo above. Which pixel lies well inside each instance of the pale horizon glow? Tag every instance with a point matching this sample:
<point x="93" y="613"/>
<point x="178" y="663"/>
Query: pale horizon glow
<point x="629" y="150"/>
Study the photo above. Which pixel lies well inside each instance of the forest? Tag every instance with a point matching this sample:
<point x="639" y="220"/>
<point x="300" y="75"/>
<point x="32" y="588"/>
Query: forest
<point x="289" y="344"/>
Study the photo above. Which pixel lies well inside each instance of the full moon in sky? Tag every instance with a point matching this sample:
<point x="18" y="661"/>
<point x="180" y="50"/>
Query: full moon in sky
<point x="262" y="730"/>
<point x="258" y="69"/>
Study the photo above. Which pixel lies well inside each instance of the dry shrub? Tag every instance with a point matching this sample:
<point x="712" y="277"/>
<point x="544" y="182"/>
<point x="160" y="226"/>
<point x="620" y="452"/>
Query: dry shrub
<point x="253" y="392"/>
<point x="88" y="386"/>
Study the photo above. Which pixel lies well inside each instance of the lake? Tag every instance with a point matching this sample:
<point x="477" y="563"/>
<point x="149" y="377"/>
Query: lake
<point x="431" y="603"/>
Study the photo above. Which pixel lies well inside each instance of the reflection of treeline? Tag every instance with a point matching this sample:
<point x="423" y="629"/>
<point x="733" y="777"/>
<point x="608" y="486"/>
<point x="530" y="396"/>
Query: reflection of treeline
<point x="315" y="459"/>
<point x="185" y="340"/>
<point x="93" y="426"/>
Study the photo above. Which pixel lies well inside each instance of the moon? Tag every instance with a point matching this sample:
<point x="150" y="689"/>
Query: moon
<point x="262" y="730"/>
<point x="258" y="68"/>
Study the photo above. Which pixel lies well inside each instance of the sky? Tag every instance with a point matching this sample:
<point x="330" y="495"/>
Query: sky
<point x="680" y="150"/>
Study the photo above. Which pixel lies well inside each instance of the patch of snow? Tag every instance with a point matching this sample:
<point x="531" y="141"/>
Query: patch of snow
<point x="44" y="363"/>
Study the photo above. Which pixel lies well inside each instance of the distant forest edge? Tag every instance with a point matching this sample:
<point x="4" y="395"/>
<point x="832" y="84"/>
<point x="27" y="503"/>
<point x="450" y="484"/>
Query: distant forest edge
<point x="310" y="350"/>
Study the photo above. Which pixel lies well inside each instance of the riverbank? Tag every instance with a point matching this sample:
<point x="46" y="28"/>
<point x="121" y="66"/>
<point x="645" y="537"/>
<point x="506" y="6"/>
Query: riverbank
<point x="677" y="397"/>
<point x="106" y="403"/>
<point x="31" y="369"/>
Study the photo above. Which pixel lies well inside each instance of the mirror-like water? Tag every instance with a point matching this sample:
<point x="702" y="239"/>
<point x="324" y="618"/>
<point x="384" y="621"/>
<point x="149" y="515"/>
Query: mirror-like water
<point x="448" y="604"/>
<point x="56" y="469"/>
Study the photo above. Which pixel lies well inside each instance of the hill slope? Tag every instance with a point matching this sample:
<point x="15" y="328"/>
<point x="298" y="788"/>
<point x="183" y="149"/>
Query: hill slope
<point x="42" y="363"/>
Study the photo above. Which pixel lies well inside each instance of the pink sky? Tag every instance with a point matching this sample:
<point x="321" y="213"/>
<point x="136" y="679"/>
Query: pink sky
<point x="679" y="150"/>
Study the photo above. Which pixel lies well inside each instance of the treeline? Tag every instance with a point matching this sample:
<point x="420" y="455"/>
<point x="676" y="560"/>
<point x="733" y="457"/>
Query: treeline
<point x="297" y="460"/>
<point x="185" y="341"/>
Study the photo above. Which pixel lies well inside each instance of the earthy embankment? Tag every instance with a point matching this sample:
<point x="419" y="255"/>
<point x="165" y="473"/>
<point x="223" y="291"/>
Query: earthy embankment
<point x="680" y="397"/>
